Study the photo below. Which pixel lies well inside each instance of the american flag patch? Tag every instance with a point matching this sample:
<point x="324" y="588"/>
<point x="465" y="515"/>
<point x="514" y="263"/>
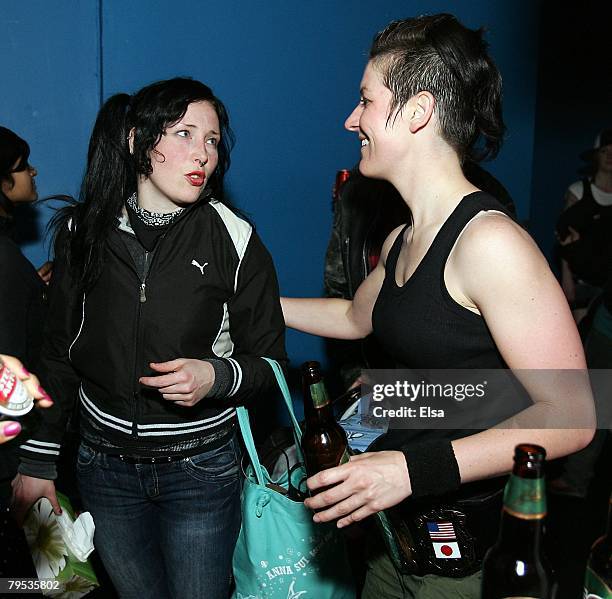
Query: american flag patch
<point x="439" y="531"/>
<point x="444" y="540"/>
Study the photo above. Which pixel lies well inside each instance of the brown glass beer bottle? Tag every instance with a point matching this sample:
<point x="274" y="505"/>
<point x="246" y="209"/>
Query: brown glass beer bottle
<point x="515" y="567"/>
<point x="324" y="442"/>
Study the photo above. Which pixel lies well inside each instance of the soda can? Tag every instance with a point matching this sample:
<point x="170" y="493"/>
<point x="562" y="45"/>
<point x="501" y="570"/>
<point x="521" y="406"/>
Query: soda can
<point x="14" y="397"/>
<point x="341" y="177"/>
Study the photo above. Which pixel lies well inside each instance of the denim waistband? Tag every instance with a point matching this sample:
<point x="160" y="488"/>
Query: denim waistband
<point x="188" y="447"/>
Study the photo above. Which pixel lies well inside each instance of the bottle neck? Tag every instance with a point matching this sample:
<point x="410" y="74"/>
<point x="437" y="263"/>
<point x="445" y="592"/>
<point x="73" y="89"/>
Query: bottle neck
<point x="317" y="405"/>
<point x="317" y="414"/>
<point x="524" y="510"/>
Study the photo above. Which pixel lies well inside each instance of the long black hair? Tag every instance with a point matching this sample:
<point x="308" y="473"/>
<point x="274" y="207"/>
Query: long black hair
<point x="436" y="53"/>
<point x="112" y="170"/>
<point x="14" y="155"/>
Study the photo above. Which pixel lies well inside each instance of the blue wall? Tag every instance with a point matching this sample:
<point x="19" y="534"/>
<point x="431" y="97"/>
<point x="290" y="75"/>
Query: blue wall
<point x="289" y="74"/>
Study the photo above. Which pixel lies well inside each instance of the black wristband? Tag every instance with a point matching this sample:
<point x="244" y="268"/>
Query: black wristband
<point x="224" y="379"/>
<point x="433" y="469"/>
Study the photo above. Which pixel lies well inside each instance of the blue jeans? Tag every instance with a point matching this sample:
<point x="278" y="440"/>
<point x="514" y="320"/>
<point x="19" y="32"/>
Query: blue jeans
<point x="165" y="530"/>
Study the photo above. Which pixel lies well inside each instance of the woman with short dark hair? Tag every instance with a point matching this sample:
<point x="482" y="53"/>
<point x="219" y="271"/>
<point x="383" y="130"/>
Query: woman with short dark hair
<point x="461" y="286"/>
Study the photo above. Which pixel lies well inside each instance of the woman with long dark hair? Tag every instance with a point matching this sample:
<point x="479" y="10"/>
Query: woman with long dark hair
<point x="162" y="301"/>
<point x="460" y="287"/>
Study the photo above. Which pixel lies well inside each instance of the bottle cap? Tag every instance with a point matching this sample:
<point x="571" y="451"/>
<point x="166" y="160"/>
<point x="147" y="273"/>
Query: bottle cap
<point x="529" y="452"/>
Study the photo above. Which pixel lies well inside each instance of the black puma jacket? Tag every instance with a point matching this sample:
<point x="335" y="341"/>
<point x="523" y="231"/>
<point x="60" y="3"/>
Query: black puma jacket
<point x="209" y="291"/>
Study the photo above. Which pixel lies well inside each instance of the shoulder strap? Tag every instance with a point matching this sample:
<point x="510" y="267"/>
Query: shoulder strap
<point x="393" y="255"/>
<point x="587" y="192"/>
<point x="463" y="213"/>
<point x="245" y="425"/>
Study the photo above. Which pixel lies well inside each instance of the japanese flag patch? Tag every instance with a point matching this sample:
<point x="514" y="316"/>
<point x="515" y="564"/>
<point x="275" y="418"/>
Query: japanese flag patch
<point x="443" y="540"/>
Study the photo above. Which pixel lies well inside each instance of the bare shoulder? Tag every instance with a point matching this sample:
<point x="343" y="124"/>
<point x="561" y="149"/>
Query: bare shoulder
<point x="493" y="236"/>
<point x="495" y="254"/>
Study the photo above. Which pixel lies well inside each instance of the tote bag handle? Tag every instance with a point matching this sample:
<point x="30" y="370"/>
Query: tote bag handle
<point x="245" y="425"/>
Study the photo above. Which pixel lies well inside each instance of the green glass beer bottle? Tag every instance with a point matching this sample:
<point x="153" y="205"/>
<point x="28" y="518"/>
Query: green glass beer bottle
<point x="598" y="579"/>
<point x="324" y="442"/>
<point x="514" y="568"/>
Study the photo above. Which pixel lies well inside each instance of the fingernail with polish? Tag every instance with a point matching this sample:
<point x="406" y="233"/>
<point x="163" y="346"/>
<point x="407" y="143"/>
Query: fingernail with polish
<point x="24" y="371"/>
<point x="44" y="393"/>
<point x="14" y="428"/>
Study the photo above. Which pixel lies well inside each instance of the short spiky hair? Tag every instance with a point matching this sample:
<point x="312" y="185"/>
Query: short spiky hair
<point x="439" y="55"/>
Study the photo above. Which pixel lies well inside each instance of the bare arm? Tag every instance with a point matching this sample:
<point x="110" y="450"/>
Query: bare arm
<point x="338" y="318"/>
<point x="509" y="282"/>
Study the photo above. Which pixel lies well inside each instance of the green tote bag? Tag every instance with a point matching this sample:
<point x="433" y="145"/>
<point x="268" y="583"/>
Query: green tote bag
<point x="281" y="553"/>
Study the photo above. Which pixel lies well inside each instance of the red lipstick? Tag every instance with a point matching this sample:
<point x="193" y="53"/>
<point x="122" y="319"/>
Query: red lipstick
<point x="196" y="178"/>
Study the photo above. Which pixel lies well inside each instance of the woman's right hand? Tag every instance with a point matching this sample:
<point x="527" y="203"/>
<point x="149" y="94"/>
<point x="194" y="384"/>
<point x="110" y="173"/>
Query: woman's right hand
<point x="27" y="490"/>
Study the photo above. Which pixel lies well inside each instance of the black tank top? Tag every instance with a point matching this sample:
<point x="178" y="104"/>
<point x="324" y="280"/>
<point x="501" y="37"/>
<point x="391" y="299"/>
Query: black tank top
<point x="419" y="324"/>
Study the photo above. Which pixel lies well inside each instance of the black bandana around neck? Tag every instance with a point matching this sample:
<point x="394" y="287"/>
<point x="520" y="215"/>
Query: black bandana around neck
<point x="152" y="219"/>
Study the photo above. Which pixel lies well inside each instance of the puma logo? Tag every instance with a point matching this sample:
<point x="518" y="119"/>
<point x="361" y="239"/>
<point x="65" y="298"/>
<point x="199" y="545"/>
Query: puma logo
<point x="200" y="266"/>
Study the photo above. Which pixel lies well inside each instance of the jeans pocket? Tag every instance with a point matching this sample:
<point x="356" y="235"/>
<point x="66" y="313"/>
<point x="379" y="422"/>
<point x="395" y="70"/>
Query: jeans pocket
<point x="217" y="465"/>
<point x="86" y="459"/>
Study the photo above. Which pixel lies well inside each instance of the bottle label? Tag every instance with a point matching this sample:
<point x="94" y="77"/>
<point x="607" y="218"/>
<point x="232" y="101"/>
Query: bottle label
<point x="595" y="587"/>
<point x="345" y="457"/>
<point x="525" y="498"/>
<point x="319" y="394"/>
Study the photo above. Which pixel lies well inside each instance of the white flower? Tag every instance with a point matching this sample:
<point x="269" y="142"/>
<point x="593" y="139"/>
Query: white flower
<point x="45" y="540"/>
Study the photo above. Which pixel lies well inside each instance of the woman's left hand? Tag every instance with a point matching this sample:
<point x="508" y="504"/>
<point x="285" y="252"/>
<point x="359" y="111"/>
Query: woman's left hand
<point x="184" y="381"/>
<point x="368" y="483"/>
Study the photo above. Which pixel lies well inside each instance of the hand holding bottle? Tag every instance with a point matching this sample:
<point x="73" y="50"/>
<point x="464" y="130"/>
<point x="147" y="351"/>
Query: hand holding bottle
<point x="367" y="484"/>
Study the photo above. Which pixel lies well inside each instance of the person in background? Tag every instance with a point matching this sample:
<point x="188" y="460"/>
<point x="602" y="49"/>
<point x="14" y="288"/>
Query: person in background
<point x="22" y="293"/>
<point x="22" y="288"/>
<point x="462" y="286"/>
<point x="162" y="301"/>
<point x="583" y="229"/>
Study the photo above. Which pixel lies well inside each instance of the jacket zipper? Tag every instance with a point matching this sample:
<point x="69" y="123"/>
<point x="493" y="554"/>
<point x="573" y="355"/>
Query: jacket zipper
<point x="142" y="298"/>
<point x="148" y="259"/>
